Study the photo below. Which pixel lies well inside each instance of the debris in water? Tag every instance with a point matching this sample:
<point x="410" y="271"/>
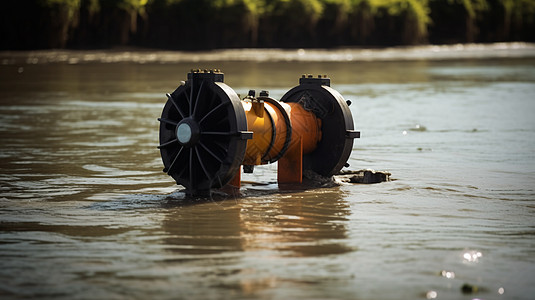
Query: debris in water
<point x="313" y="179"/>
<point x="469" y="288"/>
<point x="364" y="176"/>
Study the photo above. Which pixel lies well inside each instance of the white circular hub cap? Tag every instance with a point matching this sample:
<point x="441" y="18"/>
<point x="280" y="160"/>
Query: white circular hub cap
<point x="183" y="133"/>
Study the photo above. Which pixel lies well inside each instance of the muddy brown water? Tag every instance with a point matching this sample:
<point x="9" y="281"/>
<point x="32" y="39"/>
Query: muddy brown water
<point x="86" y="212"/>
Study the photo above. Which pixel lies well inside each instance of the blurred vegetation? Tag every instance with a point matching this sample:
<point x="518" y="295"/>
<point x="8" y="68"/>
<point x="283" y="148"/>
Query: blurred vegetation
<point x="208" y="24"/>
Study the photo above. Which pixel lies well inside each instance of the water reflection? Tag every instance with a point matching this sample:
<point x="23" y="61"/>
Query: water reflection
<point x="249" y="244"/>
<point x="472" y="256"/>
<point x="308" y="223"/>
<point x="206" y="228"/>
<point x="311" y="223"/>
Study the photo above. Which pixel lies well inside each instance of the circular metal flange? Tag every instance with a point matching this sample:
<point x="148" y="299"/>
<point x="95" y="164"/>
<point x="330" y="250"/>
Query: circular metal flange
<point x="334" y="148"/>
<point x="203" y="132"/>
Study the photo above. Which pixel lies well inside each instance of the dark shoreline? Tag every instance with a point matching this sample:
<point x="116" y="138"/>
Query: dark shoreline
<point x="189" y="25"/>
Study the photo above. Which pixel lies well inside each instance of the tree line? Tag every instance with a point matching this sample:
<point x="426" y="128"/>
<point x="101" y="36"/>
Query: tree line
<point x="210" y="24"/>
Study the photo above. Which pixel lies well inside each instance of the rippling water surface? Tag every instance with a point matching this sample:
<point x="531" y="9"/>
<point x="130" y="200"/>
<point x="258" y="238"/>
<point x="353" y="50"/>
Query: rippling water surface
<point x="85" y="211"/>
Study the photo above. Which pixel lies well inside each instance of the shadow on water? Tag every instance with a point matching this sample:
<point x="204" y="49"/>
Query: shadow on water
<point x="68" y="230"/>
<point x="178" y="197"/>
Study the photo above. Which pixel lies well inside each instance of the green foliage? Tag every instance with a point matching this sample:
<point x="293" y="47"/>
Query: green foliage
<point x="519" y="9"/>
<point x="70" y="3"/>
<point x="280" y="23"/>
<point x="474" y="7"/>
<point x="134" y="6"/>
<point x="416" y="10"/>
<point x="70" y="6"/>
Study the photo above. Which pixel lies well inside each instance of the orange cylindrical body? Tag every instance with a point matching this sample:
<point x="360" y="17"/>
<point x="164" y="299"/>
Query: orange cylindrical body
<point x="305" y="126"/>
<point x="269" y="128"/>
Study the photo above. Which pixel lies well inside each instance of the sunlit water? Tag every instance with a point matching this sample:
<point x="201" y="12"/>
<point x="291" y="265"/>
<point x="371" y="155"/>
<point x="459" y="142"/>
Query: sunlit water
<point x="86" y="213"/>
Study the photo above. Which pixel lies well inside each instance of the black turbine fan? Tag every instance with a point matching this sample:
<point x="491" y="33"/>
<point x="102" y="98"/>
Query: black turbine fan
<point x="203" y="133"/>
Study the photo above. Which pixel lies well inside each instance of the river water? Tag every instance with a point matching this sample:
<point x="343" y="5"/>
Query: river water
<point x="86" y="213"/>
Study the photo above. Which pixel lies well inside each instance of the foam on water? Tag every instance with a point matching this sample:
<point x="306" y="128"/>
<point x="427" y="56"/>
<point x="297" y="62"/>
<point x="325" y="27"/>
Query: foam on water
<point x="141" y="56"/>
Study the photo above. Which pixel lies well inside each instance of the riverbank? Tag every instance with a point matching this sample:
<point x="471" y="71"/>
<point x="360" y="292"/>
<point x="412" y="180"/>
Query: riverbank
<point x="141" y="56"/>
